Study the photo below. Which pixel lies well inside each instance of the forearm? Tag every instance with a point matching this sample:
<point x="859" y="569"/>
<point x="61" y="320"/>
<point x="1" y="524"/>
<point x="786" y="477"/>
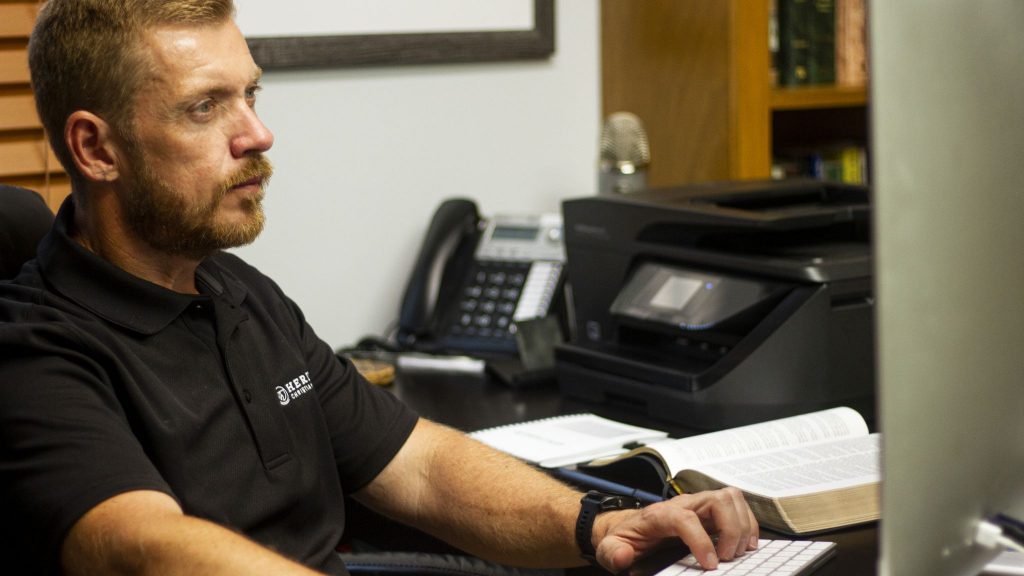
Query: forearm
<point x="145" y="533"/>
<point x="478" y="499"/>
<point x="498" y="508"/>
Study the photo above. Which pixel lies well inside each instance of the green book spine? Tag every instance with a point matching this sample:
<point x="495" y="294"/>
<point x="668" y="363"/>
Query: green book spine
<point x="821" y="63"/>
<point x="794" y="41"/>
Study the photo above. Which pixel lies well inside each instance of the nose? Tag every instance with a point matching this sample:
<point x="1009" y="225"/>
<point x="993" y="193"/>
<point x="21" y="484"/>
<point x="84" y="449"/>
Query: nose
<point x="252" y="137"/>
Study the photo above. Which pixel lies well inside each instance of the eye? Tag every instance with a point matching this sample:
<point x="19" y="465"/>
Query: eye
<point x="203" y="108"/>
<point x="251" y="92"/>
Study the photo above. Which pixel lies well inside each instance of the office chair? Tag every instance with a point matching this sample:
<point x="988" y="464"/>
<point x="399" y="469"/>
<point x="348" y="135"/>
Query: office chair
<point x="24" y="220"/>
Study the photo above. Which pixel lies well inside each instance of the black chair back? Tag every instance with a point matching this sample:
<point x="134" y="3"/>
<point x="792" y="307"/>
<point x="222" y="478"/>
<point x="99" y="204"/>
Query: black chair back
<point x="24" y="220"/>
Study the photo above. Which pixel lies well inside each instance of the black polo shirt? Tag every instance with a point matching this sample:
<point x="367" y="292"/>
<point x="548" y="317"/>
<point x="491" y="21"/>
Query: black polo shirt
<point x="227" y="401"/>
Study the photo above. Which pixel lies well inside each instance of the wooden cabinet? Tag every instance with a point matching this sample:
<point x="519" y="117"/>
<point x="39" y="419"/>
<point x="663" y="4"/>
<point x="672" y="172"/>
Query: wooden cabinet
<point x="697" y="72"/>
<point x="25" y="156"/>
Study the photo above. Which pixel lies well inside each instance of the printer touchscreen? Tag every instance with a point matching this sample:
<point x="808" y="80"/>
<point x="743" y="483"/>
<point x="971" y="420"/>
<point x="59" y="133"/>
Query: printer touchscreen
<point x="689" y="299"/>
<point x="675" y="292"/>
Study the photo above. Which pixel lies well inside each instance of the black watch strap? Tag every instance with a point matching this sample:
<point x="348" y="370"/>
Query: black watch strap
<point x="592" y="504"/>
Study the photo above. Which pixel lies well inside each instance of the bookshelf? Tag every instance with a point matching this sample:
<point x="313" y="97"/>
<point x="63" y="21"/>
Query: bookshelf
<point x="698" y="74"/>
<point x="818" y="97"/>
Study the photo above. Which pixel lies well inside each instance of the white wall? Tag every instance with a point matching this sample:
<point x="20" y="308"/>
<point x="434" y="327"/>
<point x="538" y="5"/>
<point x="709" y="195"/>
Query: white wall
<point x="363" y="156"/>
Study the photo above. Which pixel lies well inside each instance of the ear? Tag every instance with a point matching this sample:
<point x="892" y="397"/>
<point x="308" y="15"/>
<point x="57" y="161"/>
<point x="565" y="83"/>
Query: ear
<point x="90" y="139"/>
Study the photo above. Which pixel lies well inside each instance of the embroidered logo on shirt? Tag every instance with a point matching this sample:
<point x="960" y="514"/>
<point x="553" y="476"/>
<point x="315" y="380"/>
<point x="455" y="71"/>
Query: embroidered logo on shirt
<point x="294" y="388"/>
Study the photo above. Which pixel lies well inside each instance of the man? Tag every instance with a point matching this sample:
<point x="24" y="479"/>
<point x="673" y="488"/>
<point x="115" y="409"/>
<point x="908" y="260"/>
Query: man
<point x="167" y="409"/>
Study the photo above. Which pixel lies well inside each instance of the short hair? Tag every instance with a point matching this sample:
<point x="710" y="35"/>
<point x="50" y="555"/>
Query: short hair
<point x="84" y="55"/>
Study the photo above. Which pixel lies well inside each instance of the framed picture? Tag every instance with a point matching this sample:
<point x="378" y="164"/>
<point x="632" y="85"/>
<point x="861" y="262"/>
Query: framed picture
<point x="434" y="35"/>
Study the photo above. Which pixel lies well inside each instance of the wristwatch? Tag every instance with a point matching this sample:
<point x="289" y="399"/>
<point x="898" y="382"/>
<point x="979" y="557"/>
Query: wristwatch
<point x="592" y="504"/>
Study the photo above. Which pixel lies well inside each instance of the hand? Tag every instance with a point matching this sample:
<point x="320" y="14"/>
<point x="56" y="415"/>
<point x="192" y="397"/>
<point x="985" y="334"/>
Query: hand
<point x="693" y="518"/>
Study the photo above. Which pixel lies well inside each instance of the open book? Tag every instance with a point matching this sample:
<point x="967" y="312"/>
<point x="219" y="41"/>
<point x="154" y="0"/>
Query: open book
<point x="800" y="474"/>
<point x="562" y="440"/>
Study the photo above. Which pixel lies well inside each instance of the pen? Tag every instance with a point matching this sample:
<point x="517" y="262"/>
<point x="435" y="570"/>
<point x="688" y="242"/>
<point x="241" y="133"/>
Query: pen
<point x="589" y="481"/>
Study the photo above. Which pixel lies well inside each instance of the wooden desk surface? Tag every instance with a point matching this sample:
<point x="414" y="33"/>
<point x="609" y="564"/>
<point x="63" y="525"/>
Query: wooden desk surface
<point x="470" y="402"/>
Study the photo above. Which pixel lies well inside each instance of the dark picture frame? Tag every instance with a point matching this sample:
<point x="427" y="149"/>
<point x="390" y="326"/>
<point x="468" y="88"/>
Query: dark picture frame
<point x="353" y="50"/>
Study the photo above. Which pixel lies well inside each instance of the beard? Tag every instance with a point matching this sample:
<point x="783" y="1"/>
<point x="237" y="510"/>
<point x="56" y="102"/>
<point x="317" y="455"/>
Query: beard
<point x="168" y="222"/>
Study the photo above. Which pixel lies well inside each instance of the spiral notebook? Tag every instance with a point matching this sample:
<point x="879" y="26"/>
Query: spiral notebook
<point x="563" y="440"/>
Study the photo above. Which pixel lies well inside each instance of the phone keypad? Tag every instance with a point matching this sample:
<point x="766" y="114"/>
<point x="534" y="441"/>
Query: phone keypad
<point x="498" y="293"/>
<point x="488" y="300"/>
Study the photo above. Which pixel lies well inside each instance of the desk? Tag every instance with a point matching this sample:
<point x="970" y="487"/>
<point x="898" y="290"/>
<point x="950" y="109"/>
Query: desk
<point x="471" y="402"/>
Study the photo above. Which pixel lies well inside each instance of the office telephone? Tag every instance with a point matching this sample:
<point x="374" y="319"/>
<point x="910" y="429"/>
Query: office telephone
<point x="474" y="278"/>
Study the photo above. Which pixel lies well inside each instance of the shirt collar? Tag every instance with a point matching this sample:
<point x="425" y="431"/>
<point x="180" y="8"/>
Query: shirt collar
<point x="115" y="295"/>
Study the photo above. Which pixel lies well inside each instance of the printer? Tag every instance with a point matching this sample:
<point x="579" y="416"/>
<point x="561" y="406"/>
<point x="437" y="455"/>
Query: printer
<point x="723" y="304"/>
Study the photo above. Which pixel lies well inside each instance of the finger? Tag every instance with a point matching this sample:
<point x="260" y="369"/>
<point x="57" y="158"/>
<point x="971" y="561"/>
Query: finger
<point x="747" y="523"/>
<point x="615" y="554"/>
<point x="755" y="530"/>
<point x="686" y="524"/>
<point x="728" y="523"/>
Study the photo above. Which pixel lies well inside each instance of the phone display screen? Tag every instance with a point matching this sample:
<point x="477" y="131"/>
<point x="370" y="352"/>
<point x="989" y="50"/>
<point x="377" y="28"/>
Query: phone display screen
<point x="515" y="233"/>
<point x="522" y="239"/>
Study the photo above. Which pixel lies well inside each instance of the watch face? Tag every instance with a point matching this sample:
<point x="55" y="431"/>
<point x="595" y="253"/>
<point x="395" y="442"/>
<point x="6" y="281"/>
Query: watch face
<point x="608" y="502"/>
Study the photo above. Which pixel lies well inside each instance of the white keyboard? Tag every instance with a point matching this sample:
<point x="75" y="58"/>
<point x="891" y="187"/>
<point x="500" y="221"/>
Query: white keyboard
<point x="772" y="558"/>
<point x="1007" y="563"/>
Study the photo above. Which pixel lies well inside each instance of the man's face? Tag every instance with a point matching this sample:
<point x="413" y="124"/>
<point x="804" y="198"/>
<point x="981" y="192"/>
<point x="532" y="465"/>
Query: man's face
<point x="196" y="173"/>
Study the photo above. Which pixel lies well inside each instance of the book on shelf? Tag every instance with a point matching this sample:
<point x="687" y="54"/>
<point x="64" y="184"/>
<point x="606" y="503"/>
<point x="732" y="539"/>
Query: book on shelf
<point x="806" y="42"/>
<point x="846" y="163"/>
<point x="821" y="66"/>
<point x="562" y="440"/>
<point x="800" y="474"/>
<point x="851" y="43"/>
<point x="794" y="43"/>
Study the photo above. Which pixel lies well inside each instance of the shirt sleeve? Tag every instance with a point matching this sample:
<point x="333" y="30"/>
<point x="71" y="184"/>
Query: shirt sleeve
<point x="367" y="424"/>
<point x="65" y="444"/>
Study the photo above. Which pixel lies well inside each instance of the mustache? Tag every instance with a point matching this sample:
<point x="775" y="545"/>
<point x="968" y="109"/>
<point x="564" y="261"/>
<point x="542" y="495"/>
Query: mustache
<point x="257" y="167"/>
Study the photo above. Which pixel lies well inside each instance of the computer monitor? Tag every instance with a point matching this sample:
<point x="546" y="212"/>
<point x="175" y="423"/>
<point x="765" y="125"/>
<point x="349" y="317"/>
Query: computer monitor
<point x="947" y="107"/>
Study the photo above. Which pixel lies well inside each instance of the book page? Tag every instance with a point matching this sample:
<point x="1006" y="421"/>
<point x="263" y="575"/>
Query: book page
<point x="792" y="431"/>
<point x="553" y="442"/>
<point x="807" y="469"/>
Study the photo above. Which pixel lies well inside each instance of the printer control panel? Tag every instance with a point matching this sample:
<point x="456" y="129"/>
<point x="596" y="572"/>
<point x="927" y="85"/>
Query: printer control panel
<point x="688" y="299"/>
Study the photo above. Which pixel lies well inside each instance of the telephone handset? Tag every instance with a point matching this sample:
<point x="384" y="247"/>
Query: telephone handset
<point x="474" y="278"/>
